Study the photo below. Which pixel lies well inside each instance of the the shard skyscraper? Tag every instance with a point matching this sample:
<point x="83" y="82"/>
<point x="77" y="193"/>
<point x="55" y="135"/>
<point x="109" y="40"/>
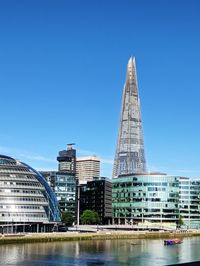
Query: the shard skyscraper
<point x="130" y="157"/>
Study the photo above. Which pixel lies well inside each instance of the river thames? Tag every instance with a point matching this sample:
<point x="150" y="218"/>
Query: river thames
<point x="101" y="252"/>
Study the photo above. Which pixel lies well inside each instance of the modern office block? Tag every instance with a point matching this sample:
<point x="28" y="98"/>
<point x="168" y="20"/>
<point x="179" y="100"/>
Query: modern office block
<point x="65" y="182"/>
<point x="130" y="156"/>
<point x="87" y="168"/>
<point x="189" y="202"/>
<point x="96" y="195"/>
<point x="65" y="190"/>
<point x="145" y="197"/>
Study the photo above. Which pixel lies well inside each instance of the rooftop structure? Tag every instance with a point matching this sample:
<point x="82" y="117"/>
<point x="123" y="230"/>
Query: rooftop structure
<point x="67" y="160"/>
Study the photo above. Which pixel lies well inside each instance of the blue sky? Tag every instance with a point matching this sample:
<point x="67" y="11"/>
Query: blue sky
<point x="62" y="71"/>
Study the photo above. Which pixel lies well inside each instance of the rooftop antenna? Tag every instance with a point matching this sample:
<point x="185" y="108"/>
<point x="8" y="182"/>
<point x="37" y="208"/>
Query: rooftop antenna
<point x="70" y="146"/>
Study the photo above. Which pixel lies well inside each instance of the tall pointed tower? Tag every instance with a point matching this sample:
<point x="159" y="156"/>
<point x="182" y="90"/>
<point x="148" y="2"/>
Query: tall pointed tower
<point x="130" y="157"/>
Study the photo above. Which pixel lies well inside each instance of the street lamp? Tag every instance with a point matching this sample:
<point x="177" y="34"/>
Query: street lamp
<point x="78" y="205"/>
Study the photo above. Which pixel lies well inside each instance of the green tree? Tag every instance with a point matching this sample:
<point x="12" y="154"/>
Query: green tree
<point x="180" y="222"/>
<point x="67" y="218"/>
<point x="89" y="217"/>
<point x="97" y="217"/>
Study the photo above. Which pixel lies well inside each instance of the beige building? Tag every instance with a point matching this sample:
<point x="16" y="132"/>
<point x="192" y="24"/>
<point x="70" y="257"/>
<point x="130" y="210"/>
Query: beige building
<point x="87" y="168"/>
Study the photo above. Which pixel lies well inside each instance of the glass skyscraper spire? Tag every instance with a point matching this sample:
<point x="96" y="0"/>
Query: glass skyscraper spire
<point x="129" y="156"/>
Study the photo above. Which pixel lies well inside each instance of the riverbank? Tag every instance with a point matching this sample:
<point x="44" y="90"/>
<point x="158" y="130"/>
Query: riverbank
<point x="100" y="235"/>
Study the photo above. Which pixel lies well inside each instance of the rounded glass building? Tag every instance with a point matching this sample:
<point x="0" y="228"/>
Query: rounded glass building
<point x="145" y="198"/>
<point x="25" y="196"/>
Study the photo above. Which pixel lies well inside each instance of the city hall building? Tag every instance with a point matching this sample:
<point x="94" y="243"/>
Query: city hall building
<point x="27" y="202"/>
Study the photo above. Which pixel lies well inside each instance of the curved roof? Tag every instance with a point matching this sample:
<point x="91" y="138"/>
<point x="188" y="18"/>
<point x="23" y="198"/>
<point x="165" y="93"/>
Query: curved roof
<point x="25" y="195"/>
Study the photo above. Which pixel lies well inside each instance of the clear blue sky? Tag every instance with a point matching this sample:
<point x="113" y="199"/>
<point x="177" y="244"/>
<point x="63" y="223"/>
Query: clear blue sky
<point x="62" y="71"/>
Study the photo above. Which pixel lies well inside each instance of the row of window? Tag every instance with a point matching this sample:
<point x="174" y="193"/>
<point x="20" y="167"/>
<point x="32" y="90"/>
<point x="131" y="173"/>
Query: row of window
<point x="191" y="192"/>
<point x="190" y="212"/>
<point x="38" y="192"/>
<point x="154" y="184"/>
<point x="188" y="206"/>
<point x="14" y="169"/>
<point x="163" y="217"/>
<point x="30" y="184"/>
<point x="145" y="204"/>
<point x="190" y="183"/>
<point x="145" y="210"/>
<point x="7" y="162"/>
<point x="189" y="188"/>
<point x="23" y="215"/>
<point x="30" y="207"/>
<point x="16" y="177"/>
<point x="12" y="199"/>
<point x="145" y="196"/>
<point x="190" y="197"/>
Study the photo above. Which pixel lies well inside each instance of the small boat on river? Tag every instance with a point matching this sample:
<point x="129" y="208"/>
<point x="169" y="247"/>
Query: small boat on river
<point x="135" y="243"/>
<point x="173" y="241"/>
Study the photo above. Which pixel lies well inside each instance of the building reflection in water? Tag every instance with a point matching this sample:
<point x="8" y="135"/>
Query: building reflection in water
<point x="101" y="252"/>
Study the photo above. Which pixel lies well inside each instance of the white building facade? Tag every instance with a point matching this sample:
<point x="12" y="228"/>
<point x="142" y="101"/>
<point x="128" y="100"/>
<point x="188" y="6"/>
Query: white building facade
<point x="87" y="168"/>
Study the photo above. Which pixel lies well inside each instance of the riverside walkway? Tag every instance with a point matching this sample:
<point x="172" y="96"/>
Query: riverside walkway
<point x="94" y="228"/>
<point x="98" y="235"/>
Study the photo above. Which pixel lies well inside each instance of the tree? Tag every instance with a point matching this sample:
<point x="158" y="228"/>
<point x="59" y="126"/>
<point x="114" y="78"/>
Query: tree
<point x="97" y="217"/>
<point x="67" y="218"/>
<point x="180" y="222"/>
<point x="89" y="217"/>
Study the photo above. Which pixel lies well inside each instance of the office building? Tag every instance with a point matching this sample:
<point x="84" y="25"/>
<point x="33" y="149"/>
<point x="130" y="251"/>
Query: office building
<point x="130" y="156"/>
<point x="87" y="168"/>
<point x="26" y="198"/>
<point x="189" y="202"/>
<point x="96" y="195"/>
<point x="65" y="182"/>
<point x="50" y="177"/>
<point x="140" y="198"/>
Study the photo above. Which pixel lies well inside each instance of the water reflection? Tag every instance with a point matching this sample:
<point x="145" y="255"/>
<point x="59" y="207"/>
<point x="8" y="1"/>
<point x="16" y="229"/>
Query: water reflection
<point x="101" y="252"/>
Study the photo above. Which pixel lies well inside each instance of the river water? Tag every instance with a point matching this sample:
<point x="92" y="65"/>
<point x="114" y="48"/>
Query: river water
<point x="101" y="252"/>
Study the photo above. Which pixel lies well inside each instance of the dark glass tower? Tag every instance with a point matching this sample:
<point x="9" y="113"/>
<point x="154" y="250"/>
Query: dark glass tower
<point x="130" y="157"/>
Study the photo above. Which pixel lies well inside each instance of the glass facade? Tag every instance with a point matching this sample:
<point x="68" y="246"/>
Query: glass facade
<point x="189" y="202"/>
<point x="96" y="195"/>
<point x="25" y="196"/>
<point x="129" y="155"/>
<point x="66" y="181"/>
<point x="65" y="189"/>
<point x="140" y="198"/>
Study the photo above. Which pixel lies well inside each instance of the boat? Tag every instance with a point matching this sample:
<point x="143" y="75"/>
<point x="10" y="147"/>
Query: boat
<point x="135" y="243"/>
<point x="173" y="241"/>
